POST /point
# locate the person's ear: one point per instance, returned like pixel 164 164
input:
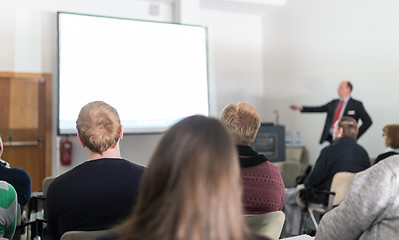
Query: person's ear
pixel 340 132
pixel 121 135
pixel 81 143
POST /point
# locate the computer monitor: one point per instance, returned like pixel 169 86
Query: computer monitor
pixel 270 141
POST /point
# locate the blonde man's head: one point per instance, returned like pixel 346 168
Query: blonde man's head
pixel 99 126
pixel 243 122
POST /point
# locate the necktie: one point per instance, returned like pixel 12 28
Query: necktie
pixel 338 112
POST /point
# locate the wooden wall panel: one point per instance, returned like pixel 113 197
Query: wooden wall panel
pixel 4 103
pixel 24 99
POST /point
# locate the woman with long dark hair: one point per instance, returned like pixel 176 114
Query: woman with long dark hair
pixel 191 188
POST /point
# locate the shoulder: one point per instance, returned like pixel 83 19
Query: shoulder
pixel 132 164
pixel 15 170
pixel 15 175
pixel 127 165
pixel 269 168
pixel 21 172
pixel 391 163
pixel 6 186
pixel 115 162
pixel 354 101
pixel 382 174
pixel 362 150
pixel 330 148
pixel 348 144
pixel 10 196
pixel 67 179
pixel 383 156
pixel 333 102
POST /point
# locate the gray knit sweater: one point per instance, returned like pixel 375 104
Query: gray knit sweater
pixel 371 207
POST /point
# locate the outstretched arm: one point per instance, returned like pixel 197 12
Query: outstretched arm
pixel 296 107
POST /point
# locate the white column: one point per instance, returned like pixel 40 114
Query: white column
pixel 187 11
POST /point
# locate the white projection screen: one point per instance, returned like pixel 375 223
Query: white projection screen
pixel 153 73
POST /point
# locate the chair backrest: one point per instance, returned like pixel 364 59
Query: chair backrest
pixel 289 171
pixel 84 235
pixel 19 215
pixel 372 160
pixel 45 184
pixel 340 184
pixel 268 224
pixel 294 153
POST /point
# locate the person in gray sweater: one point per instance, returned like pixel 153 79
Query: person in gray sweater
pixel 371 206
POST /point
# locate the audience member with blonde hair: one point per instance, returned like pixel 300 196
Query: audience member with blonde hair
pixel 263 185
pixel 391 140
pixel 191 189
pixel 101 191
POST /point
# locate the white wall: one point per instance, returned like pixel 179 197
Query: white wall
pixel 235 58
pixel 311 45
pixel 270 57
pixel 28 44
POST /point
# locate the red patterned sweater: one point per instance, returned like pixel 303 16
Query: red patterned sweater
pixel 263 185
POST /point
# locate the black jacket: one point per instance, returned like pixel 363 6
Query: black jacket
pixel 353 109
pixel 344 155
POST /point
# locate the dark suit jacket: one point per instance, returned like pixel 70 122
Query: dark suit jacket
pixel 353 109
pixel 344 155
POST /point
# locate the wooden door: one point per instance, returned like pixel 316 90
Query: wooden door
pixel 25 123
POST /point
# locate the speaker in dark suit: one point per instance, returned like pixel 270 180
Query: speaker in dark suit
pixel 351 107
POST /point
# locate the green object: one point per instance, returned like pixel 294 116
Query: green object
pixel 8 210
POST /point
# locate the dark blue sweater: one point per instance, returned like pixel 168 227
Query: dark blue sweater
pixel 95 195
pixel 344 155
pixel 20 180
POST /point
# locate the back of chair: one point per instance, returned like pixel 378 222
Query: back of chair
pixel 19 215
pixel 84 235
pixel 340 184
pixel 289 171
pixel 45 184
pixel 268 224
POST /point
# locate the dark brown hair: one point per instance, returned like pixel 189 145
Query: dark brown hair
pixel 191 188
pixel 349 85
pixel 392 133
pixel 349 126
